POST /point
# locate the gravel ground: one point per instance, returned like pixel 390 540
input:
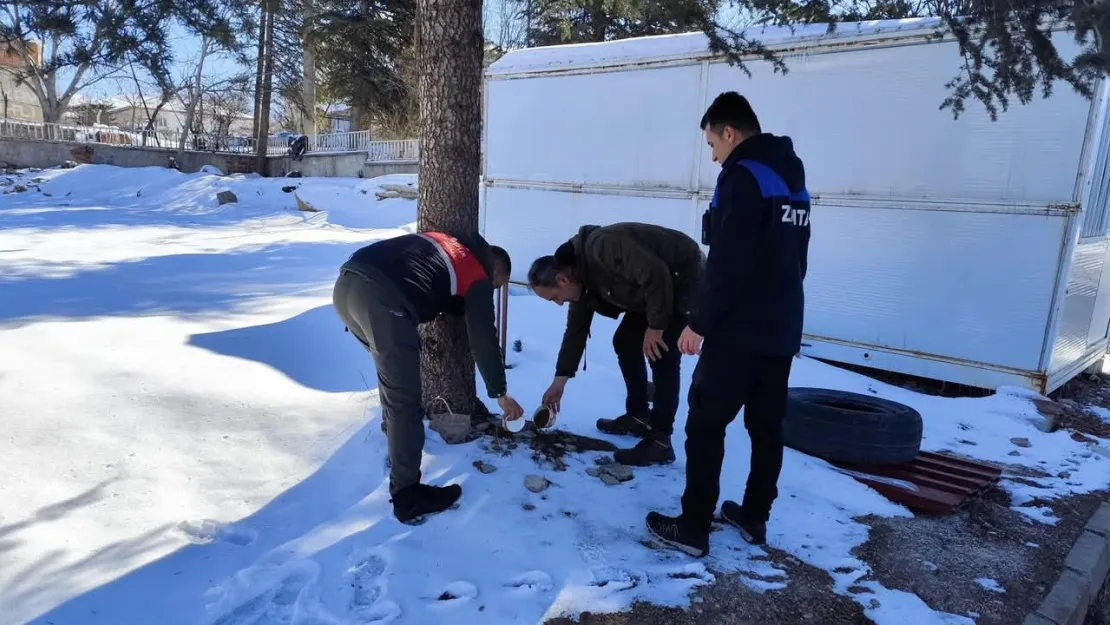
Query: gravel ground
pixel 937 558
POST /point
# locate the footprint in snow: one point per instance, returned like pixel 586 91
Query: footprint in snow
pixel 617 579
pixel 533 581
pixel 277 605
pixel 457 593
pixel 367 604
pixel 208 531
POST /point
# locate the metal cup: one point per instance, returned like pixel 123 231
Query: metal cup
pixel 544 417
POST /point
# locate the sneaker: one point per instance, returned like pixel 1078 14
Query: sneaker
pixel 651 450
pixel 414 504
pixel 670 531
pixel 752 531
pixel 624 425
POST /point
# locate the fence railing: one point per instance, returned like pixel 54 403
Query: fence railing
pixel 358 141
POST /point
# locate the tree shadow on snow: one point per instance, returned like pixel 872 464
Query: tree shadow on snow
pixel 173 589
pixel 311 349
pixel 175 284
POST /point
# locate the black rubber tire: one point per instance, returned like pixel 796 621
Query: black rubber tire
pixel 850 428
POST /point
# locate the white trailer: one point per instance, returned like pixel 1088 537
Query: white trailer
pixel 964 250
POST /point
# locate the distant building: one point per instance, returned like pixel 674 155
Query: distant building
pixel 17 101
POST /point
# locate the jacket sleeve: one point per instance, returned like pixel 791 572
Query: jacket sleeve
pixel 737 232
pixel 626 257
pixel 481 330
pixel 579 319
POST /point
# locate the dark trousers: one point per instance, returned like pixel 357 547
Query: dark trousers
pixel 628 342
pixel 726 380
pixel 375 313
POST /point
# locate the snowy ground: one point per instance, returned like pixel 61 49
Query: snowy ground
pixel 190 438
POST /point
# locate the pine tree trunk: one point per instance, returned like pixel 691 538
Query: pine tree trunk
pixel 259 71
pixel 450 65
pixel 267 89
pixel 308 84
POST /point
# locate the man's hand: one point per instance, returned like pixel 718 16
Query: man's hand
pixel 509 408
pixel 690 342
pixel 553 396
pixel 653 344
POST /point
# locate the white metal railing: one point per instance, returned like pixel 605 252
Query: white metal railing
pixel 279 145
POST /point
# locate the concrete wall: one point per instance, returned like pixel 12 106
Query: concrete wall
pixel 373 170
pixel 36 153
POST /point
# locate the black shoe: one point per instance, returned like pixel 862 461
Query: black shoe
pixel 413 504
pixel 670 531
pixel 624 425
pixel 753 532
pixel 651 450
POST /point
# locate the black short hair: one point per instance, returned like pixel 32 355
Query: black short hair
pixel 543 271
pixel 501 257
pixel 731 109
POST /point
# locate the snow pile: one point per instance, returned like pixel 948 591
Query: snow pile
pixel 190 436
pixel 661 48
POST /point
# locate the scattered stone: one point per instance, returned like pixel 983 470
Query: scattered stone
pixel 69 164
pixel 289 188
pixel 619 471
pixel 1021 442
pixel 609 479
pixel 45 194
pixel 484 467
pixel 593 472
pixel 967 442
pixel 19 188
pixel 1052 413
pixel 536 483
pixel 603 460
pixel 1064 475
pixel 929 566
pixel 529 507
pixel 1079 437
pixel 226 197
pixel 38 180
pixel 1014 453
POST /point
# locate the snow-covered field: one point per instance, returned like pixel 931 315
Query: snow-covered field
pixel 189 437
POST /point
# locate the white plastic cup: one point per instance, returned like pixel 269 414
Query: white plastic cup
pixel 513 425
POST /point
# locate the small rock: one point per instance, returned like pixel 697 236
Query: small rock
pixel 45 194
pixel 609 479
pixel 1021 442
pixel 69 164
pixel 1014 453
pixel 967 442
pixel 603 460
pixel 929 566
pixel 38 180
pixel 529 507
pixel 289 188
pixel 1064 475
pixel 226 197
pixel 536 483
pixel 19 188
pixel 619 472
pixel 593 472
pixel 484 467
pixel 1051 411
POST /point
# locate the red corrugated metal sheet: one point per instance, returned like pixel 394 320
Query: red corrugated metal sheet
pixel 931 484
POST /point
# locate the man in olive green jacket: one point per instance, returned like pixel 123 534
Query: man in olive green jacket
pixel 650 274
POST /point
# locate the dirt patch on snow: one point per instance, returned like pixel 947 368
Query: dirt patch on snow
pixel 940 559
pixel 808 599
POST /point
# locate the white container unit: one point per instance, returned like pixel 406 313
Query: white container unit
pixel 962 250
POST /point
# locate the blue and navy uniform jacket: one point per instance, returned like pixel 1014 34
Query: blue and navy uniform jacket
pixel 757 229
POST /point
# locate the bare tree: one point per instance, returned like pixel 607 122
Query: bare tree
pixel 450 77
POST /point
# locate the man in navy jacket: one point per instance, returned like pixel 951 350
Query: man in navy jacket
pixel 749 313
